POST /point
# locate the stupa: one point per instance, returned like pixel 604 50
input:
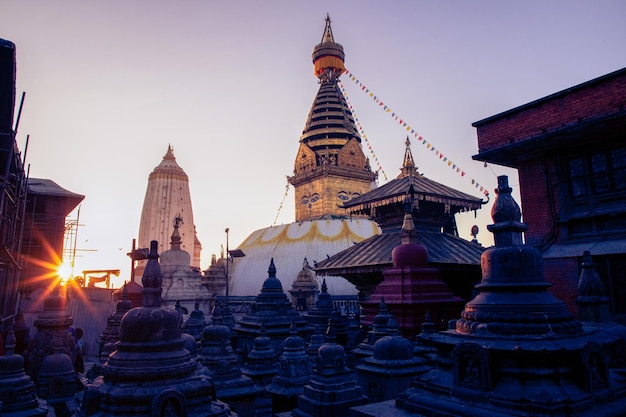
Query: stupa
pixel 168 197
pixel 390 369
pixel 195 323
pixel 151 373
pixel 221 364
pixel 333 389
pixel 294 372
pixel 304 288
pixel 330 167
pixel 111 333
pixel 52 324
pixel 271 311
pixel 261 367
pixel 19 395
pixel 182 284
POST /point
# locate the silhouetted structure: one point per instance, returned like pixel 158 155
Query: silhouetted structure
pixel 570 150
pixel 332 390
pixel 221 363
pixel 150 373
pixel 271 310
pixel 390 369
pixel 19 394
pixel 294 372
pixel 261 367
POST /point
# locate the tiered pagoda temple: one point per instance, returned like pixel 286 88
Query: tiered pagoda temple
pixel 433 209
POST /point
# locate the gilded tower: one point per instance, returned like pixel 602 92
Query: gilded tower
pixel 330 167
pixel 168 198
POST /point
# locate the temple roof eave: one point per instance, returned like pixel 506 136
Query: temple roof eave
pixel 374 254
pixel 424 189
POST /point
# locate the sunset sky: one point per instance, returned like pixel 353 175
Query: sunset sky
pixel 229 85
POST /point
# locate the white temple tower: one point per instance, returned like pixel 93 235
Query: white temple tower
pixel 167 197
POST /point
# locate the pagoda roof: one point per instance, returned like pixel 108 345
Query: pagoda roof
pixel 423 189
pixel 374 254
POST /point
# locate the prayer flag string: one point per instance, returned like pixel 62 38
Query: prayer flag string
pixel 282 202
pixel 362 132
pixel 408 128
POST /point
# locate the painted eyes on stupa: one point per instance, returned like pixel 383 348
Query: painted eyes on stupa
pixel 312 199
pixel 344 196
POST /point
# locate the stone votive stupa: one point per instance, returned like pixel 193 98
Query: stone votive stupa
pixel 18 394
pixel 294 372
pixel 150 373
pixel 333 389
pixel 272 310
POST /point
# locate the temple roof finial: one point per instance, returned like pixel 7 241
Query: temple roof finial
pixel 408 164
pixel 170 153
pixel 175 238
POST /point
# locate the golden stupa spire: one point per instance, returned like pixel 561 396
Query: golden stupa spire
pixel 328 56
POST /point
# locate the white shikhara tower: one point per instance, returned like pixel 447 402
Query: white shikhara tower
pixel 168 197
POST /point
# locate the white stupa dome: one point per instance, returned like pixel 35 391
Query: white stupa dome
pixel 288 245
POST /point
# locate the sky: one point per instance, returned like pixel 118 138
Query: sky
pixel 109 85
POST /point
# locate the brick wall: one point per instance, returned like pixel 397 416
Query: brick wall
pixel 563 275
pixel 566 108
pixel 540 202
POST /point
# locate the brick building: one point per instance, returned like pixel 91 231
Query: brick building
pixel 570 152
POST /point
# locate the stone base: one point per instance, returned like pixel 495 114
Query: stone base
pixel 383 408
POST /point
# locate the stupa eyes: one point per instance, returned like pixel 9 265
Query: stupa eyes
pixel 345 196
pixel 312 199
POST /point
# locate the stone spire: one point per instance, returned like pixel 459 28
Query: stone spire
pixel 152 279
pixel 511 266
pixel 330 156
pixel 593 304
pixel 168 197
pixel 408 164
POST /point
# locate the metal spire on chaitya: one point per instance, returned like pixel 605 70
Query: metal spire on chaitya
pixel 330 154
